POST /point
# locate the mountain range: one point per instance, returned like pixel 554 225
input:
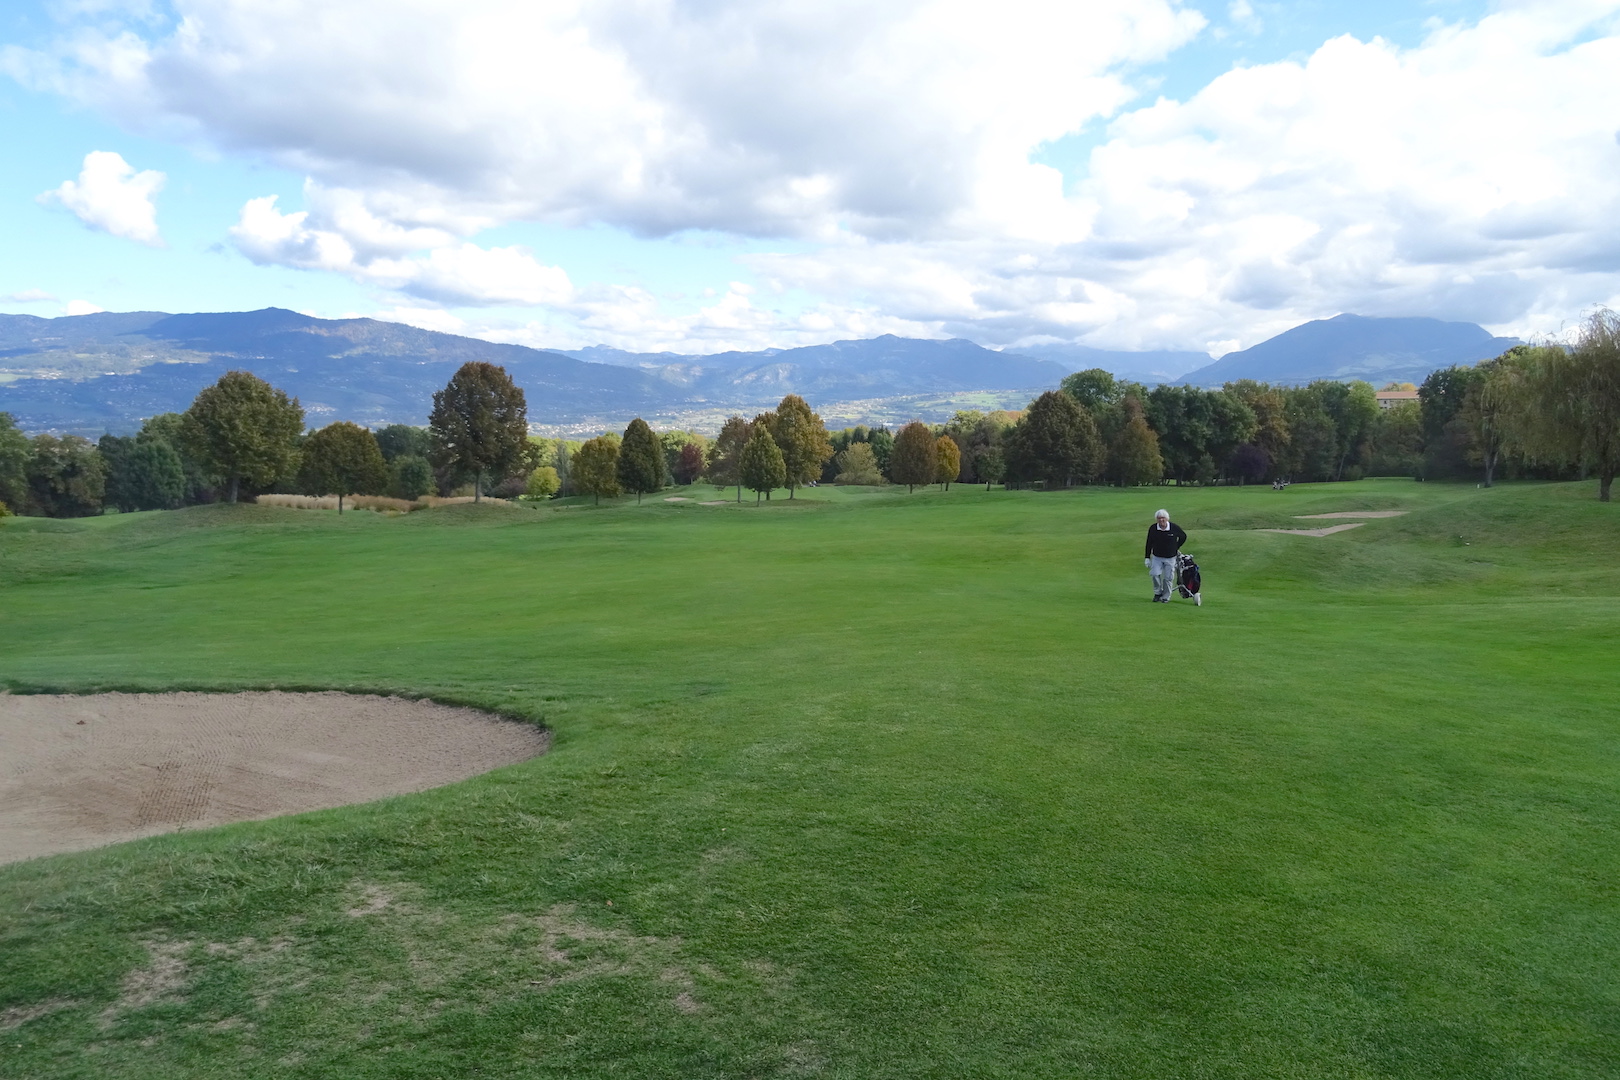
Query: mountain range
pixel 108 371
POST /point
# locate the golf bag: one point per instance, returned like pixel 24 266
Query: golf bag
pixel 1189 582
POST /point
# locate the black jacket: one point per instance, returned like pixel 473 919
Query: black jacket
pixel 1164 542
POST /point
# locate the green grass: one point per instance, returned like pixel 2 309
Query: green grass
pixel 865 786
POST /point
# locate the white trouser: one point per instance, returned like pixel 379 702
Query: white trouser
pixel 1164 575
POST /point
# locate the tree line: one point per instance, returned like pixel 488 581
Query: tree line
pixel 1544 411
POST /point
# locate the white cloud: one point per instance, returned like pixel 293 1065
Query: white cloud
pixel 1241 13
pixel 81 307
pixel 1470 176
pixel 655 115
pixel 111 196
pixel 343 237
pixel 631 318
pixel 31 296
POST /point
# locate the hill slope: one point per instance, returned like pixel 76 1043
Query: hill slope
pixel 885 366
pixel 1355 347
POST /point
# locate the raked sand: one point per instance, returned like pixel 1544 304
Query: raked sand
pixel 80 772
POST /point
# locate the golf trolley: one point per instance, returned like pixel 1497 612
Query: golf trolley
pixel 1189 581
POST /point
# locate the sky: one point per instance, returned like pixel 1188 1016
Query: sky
pixel 702 175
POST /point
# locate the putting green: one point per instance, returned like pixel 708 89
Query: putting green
pixel 867 786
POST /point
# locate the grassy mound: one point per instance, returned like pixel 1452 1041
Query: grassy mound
pixel 869 786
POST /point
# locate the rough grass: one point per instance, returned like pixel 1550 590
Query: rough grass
pixel 379 503
pixel 867 785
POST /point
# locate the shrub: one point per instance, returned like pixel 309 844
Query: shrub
pixel 544 483
pixel 858 465
pixel 411 476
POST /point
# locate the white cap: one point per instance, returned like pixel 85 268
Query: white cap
pixel 1162 514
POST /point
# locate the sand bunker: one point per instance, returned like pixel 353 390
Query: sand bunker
pixel 1329 531
pixel 79 772
pixel 1354 514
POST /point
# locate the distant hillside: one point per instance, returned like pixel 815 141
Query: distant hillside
pixel 92 373
pixel 1151 367
pixel 106 372
pixel 1355 347
pixel 886 366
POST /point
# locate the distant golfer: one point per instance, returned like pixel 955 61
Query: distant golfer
pixel 1164 540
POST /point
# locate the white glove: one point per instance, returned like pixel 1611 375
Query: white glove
pixel 1148 563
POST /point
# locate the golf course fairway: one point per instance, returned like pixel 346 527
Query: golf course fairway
pixel 864 785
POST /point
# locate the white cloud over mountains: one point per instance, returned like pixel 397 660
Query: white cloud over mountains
pixel 1471 176
pixel 111 196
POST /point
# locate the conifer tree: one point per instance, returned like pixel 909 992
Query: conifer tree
pixel 949 458
pixel 761 466
pixel 343 459
pixel 914 459
pixel 595 467
pixel 243 429
pixel 802 438
pixel 640 467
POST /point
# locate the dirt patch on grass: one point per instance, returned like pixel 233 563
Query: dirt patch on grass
pixel 80 772
pixel 1329 531
pixel 18 1015
pixel 1353 514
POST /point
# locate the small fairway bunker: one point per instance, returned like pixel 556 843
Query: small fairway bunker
pixel 83 771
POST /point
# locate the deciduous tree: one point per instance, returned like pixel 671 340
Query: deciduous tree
pixel 802 438
pixel 595 467
pixel 1094 388
pixel 170 428
pixel 142 474
pixel 948 461
pixel 402 440
pixel 65 476
pixel 914 460
pixel 1490 405
pixel 689 464
pixel 1134 457
pixel 543 483
pixel 989 464
pixel 858 465
pixel 1571 410
pixel 343 459
pixel 640 467
pixel 725 456
pixel 411 476
pixel 480 424
pixel 761 466
pixel 1057 441
pixel 14 454
pixel 242 429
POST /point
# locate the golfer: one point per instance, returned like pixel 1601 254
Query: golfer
pixel 1164 540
